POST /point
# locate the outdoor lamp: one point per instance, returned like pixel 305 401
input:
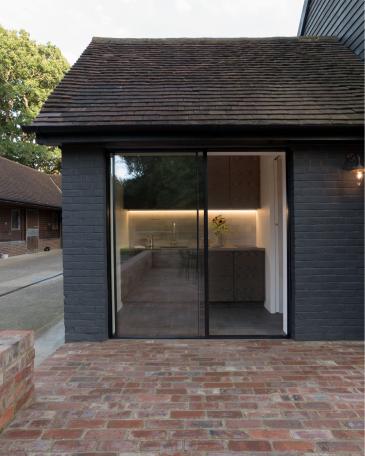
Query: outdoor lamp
pixel 353 164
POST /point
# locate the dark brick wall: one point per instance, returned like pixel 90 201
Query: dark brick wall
pixel 84 244
pixel 328 245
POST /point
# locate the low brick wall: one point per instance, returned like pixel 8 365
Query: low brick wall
pixel 16 373
pixel 13 248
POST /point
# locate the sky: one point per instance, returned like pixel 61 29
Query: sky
pixel 70 24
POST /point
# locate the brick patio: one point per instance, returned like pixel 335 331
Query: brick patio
pixel 197 397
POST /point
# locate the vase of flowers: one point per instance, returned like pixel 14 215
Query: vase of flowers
pixel 220 227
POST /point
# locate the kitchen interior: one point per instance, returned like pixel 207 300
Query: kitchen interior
pixel 160 266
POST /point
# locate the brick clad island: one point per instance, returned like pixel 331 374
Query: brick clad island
pixel 16 373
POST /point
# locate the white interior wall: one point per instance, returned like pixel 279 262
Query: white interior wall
pixel 271 231
pixel 278 228
pixel 265 227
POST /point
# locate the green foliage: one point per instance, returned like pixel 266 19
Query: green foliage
pixel 28 73
pixel 162 182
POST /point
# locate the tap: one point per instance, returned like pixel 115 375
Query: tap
pixel 173 229
pixel 150 241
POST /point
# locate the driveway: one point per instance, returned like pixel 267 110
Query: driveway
pixel 23 270
pixel 194 398
pixel 31 291
pixel 31 297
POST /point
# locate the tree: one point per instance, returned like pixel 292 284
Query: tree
pixel 162 182
pixel 28 73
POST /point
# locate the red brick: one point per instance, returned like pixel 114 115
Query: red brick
pixel 190 434
pixel 58 434
pixel 118 445
pixel 335 446
pixel 293 445
pixel 187 414
pixel 269 434
pixel 151 445
pixel 347 434
pixel 164 424
pixel 283 424
pixel 105 434
pixel 79 389
pixel 224 414
pixel 224 434
pixel 86 424
pixel 249 445
pixel 6 416
pixel 205 445
pixel 16 364
pixel 315 434
pixel 149 434
pixel 69 446
pixel 243 424
pixel 125 424
pixel 21 434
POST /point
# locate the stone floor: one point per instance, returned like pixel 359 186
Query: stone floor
pixel 243 318
pixel 196 397
pixel 166 303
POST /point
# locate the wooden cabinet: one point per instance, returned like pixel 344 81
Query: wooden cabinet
pixel 221 275
pixel 249 275
pixel 236 275
pixel 218 183
pixel 233 182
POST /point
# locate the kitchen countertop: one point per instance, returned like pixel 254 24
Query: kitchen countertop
pixel 213 249
pixel 235 249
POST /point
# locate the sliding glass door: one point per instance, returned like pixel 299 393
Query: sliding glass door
pixel 198 244
pixel 246 218
pixel 157 236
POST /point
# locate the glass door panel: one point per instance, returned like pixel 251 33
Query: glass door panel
pixel 245 291
pixel 158 245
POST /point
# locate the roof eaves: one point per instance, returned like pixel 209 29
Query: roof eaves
pixel 28 203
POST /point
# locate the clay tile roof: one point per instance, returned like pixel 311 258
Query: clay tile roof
pixel 21 184
pixel 300 81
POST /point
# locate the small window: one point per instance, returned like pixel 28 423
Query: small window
pixel 15 219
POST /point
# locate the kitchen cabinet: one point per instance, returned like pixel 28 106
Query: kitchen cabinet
pixel 236 275
pixel 233 182
pixel 249 275
pixel 218 182
pixel 220 275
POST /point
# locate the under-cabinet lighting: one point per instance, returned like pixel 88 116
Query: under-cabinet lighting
pixel 190 211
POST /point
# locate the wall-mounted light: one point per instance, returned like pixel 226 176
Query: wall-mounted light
pixel 353 164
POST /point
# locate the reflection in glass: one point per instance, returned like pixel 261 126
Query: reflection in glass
pixel 157 238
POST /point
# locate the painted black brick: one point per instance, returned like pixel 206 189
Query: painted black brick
pixel 328 245
pixel 84 244
pixel 327 249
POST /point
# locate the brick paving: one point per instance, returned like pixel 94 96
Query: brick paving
pixel 196 397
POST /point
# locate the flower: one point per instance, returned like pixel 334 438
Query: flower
pixel 219 225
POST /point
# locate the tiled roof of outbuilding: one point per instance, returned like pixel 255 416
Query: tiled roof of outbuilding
pixel 21 184
pixel 301 81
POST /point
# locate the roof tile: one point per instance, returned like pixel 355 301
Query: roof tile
pixel 21 184
pixel 228 81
